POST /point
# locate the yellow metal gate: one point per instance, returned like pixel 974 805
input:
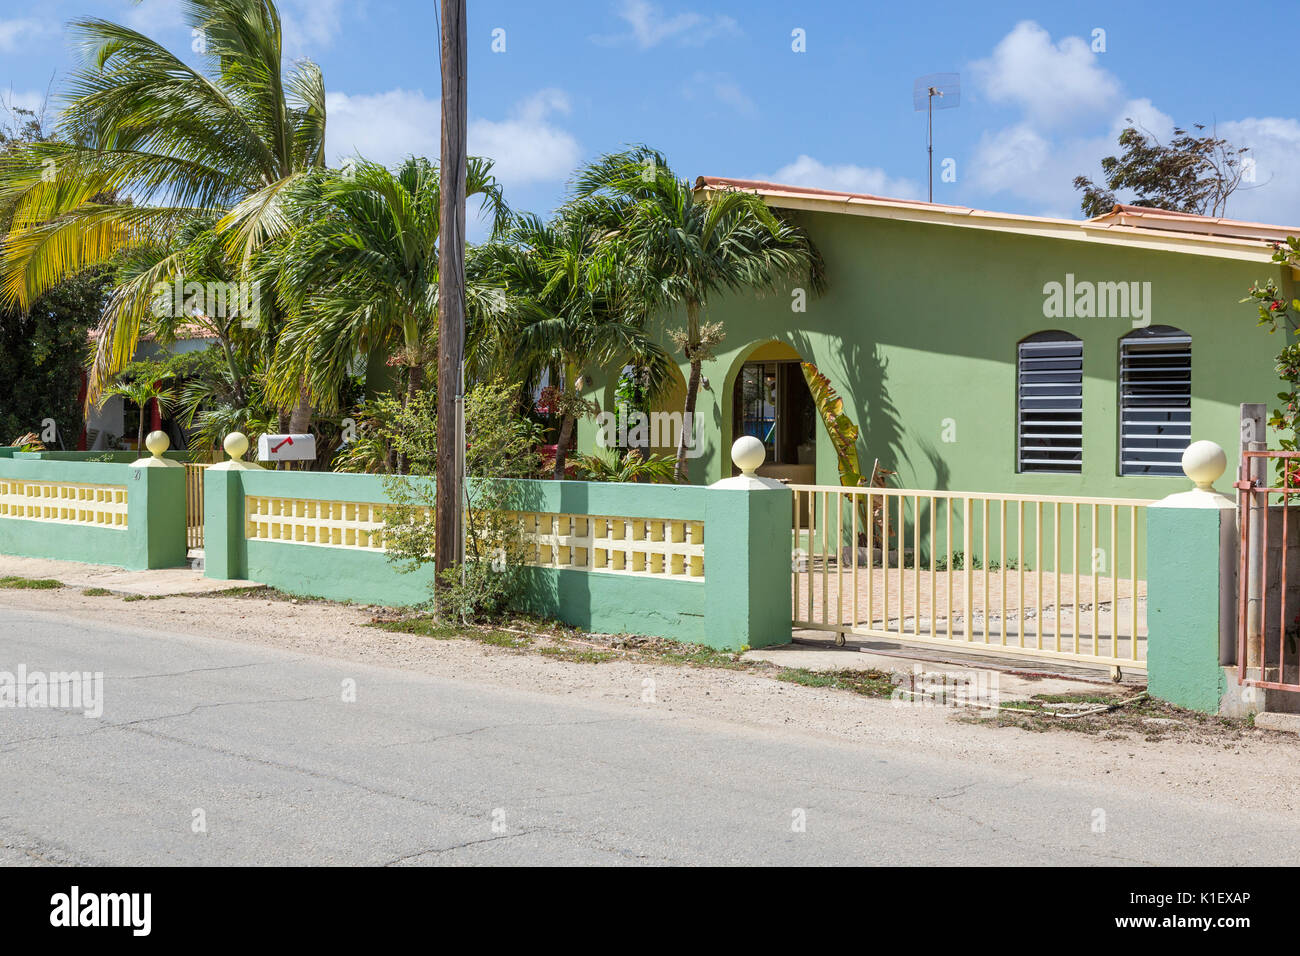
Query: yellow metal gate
pixel 194 505
pixel 1018 575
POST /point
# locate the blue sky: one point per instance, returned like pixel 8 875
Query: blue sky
pixel 718 87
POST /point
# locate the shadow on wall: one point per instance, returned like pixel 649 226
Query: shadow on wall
pixel 942 473
pixel 862 381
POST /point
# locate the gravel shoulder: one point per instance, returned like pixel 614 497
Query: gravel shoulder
pixel 1247 767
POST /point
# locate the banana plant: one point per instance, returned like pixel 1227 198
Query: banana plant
pixel 843 434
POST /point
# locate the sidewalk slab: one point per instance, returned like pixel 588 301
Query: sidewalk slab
pixel 1269 720
pixel 74 574
pixel 1011 686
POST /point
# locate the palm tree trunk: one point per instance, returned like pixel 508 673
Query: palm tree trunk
pixel 414 380
pixel 139 432
pixel 692 388
pixel 236 379
pixel 688 421
pixel 300 417
pixel 562 446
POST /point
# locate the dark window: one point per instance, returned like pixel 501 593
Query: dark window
pixel 1049 434
pixel 1155 400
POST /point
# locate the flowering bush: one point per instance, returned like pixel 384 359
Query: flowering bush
pixel 1276 312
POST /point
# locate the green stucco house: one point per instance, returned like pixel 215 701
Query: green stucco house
pixel 984 351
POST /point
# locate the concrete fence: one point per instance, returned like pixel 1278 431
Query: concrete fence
pixel 708 565
pixel 97 512
pixel 705 565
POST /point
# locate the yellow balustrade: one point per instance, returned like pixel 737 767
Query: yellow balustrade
pixel 101 506
pixel 656 547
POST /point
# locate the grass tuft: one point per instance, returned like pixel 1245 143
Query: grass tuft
pixel 868 683
pixel 30 584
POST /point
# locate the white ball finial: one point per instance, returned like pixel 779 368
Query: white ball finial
pixel 1204 462
pixel 236 444
pixel 748 453
pixel 157 442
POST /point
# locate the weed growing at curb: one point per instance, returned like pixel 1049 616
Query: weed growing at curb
pixel 868 683
pixel 30 584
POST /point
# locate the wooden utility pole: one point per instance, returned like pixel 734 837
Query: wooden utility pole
pixel 451 290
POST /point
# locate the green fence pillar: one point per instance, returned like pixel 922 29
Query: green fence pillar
pixel 155 510
pixel 747 555
pixel 225 551
pixel 1191 586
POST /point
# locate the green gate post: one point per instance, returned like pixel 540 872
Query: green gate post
pixel 155 510
pixel 1191 586
pixel 225 551
pixel 747 555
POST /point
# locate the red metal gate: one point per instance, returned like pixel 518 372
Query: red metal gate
pixel 1268 618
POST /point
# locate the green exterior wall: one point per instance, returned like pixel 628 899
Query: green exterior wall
pixel 1184 606
pixel 920 324
pixel 155 536
pixel 744 599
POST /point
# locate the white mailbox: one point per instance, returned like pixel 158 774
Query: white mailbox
pixel 286 448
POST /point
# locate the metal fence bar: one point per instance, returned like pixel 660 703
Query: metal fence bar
pixel 1056 574
pixel 968 569
pixel 902 577
pixel 884 557
pixel 947 544
pixel 1038 575
pixel 1114 581
pixel 1133 580
pixel 1020 571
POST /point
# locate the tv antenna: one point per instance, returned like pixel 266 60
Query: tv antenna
pixel 947 88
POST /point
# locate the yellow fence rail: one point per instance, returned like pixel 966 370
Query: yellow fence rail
pixel 1017 575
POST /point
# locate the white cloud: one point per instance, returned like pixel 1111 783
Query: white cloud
pixel 723 88
pixel 1145 116
pixel 1014 159
pixel 309 25
pixel 526 146
pixel 1055 86
pixel 806 171
pixel 387 127
pixel 1052 83
pixel 153 17
pixel 306 25
pixel 1031 165
pixel 1275 195
pixel 25 100
pixel 14 34
pixel 650 26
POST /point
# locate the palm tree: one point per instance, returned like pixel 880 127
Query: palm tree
pixel 222 143
pixel 361 273
pixel 140 390
pixel 688 246
pixel 565 305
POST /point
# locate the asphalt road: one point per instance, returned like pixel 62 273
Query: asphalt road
pixel 419 770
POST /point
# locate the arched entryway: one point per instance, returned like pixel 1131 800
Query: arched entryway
pixel 770 400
